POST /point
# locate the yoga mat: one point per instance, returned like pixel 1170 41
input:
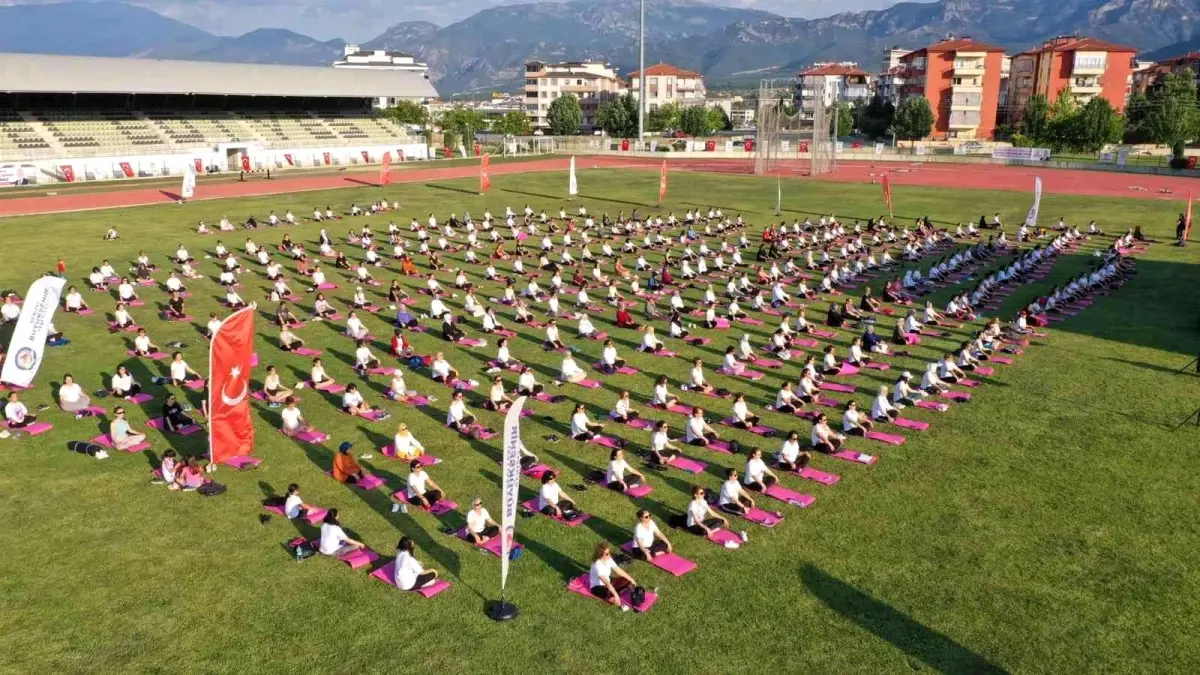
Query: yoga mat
pixel 722 324
pixel 1003 360
pixel 367 482
pixel 311 436
pixel 855 456
pixel 823 333
pixel 387 574
pixel 753 375
pixel 827 402
pixel 335 389
pixel 761 517
pixel 890 439
pixel 639 491
pixel 933 405
pixel 756 429
pixel 106 441
pixel 35 428
pixel 194 385
pixel 910 424
pixel 382 370
pixel 94 411
pixel 749 321
pixel 492 545
pixel 639 423
pixel 589 384
pixel 532 506
pixel 605 441
pixel 818 476
pixel 141 398
pixel 241 462
pixel 160 423
pixel 157 356
pixel 874 365
pixel 688 465
pixel 721 537
pixel 484 433
pixel 840 388
pixel 797 499
pixel 305 351
pixel 84 312
pixel 327 286
pixel 985 371
pixel 768 363
pixel 579 585
pixel 537 471
pixel 847 370
pixel 969 383
pixel 698 341
pixel 472 342
pixel 359 558
pixel 668 562
pixel 957 395
pixel 663 353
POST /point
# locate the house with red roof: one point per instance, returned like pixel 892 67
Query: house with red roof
pixel 961 79
pixel 825 83
pixel 669 84
pixel 1084 67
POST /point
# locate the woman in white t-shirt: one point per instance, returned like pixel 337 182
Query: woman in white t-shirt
pixel 457 417
pixel 733 499
pixel 410 574
pixel 71 397
pixel 823 438
pixel 698 432
pixel 620 476
pixel 293 505
pixel 582 427
pixel 123 385
pixel 648 540
pixel 662 452
pixel 790 457
pixel 498 400
pixel 696 378
pixel 73 301
pixel 854 422
pixel 701 519
pixel 422 490
pixel 334 541
pixel 480 526
pixel 553 500
pixel 180 370
pixel 606 579
pixel 570 371
pixel 742 417
pixel 649 342
pixel 318 377
pixel 882 409
pixel 623 411
pixel 292 421
pixel 273 388
pixel 353 402
pixel 756 476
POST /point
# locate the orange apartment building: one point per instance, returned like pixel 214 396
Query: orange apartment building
pixel 1084 67
pixel 961 79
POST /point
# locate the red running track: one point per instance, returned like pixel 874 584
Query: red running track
pixel 960 176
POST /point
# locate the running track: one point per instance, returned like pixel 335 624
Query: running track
pixel 961 176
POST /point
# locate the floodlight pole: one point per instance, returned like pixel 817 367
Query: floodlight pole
pixel 641 73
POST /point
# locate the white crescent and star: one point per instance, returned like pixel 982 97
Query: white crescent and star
pixel 235 374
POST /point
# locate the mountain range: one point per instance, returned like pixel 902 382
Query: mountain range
pixel 487 50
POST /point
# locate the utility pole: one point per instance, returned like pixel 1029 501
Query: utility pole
pixel 642 73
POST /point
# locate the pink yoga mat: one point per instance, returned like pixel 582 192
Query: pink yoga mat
pixel 933 405
pixel 589 384
pixel 668 562
pixel 639 491
pixel 160 423
pixel 768 363
pixel 537 471
pixel 305 351
pixel 723 536
pixel 855 456
pixel 805 342
pixel 680 409
pixel 698 341
pixel 35 428
pixel 194 385
pixel 1002 360
pixel 242 462
pixel 84 312
pixel 761 517
pixel 311 436
pixel 818 476
pixel 757 429
pixel 579 585
pixel 797 499
pixel 94 410
pixel 910 424
pixel 313 517
pixel 984 371
pixel 639 423
pixel 532 506
pixel 327 286
pixel 750 321
pixel 827 402
pixel 969 383
pixel 823 333
pixel 368 483
pixel 847 370
pixel 957 395
pixel 875 365
pixel 493 545
pixel 688 465
pixel 106 441
pixel 841 388
pixel 753 375
pixel 335 389
pixel 606 441
pixel 387 574
pixel 664 353
pixel 890 439
pixel 157 356
pixel 472 342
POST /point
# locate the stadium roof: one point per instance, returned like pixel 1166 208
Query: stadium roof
pixel 40 73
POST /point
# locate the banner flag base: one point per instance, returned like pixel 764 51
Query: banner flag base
pixel 502 611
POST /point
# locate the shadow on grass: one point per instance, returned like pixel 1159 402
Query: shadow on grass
pixel 920 642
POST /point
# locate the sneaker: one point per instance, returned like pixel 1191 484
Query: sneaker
pixel 274 404
pixel 745 537
pixel 101 454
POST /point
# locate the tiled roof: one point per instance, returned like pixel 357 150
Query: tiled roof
pixel 962 45
pixel 834 69
pixel 665 69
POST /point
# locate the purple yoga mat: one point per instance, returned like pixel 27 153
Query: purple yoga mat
pixel 305 351
pixel 890 439
pixel 639 491
pixel 579 585
pixel 106 441
pixel 722 537
pixel 589 384
pixel 818 476
pixel 847 370
pixel 933 405
pixel 749 321
pixel 875 365
pixel 606 441
pixel 157 356
pixel 840 388
pixel 241 461
pixel 856 456
pixel 473 342
pixel 537 471
pixel 688 465
pixel 823 333
pixel 668 562
pixel 806 342
pixel 532 506
pixel 311 436
pixel 797 499
pixel 969 383
pixel 905 423
pixel 160 423
pixel 768 363
pixel 35 428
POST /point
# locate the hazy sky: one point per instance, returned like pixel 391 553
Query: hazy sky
pixel 360 20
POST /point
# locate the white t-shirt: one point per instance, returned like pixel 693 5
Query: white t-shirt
pixel 70 393
pixel 416 483
pixel 696 511
pixel 602 571
pixel 407 571
pixel 616 470
pixel 179 370
pixel 332 537
pixel 122 382
pixel 789 451
pixel 643 533
pixel 548 495
pixel 695 428
pixel 579 423
pixel 352 398
pixel 477 521
pixel 291 506
pixel 291 418
pixel 441 368
pixel 755 470
pixel 15 411
pixel 730 490
pixel 659 440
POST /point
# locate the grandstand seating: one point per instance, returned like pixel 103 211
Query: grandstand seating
pixel 16 134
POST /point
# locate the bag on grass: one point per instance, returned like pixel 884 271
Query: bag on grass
pixel 638 596
pixel 300 549
pixel 211 489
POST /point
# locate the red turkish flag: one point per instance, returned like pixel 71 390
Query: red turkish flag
pixel 366 156
pixel 287 157
pixel 68 173
pixel 662 183
pixel 231 431
pixel 485 173
pixel 887 193
pixel 328 158
pixel 199 165
pixel 127 169
pixel 385 169
pixel 245 162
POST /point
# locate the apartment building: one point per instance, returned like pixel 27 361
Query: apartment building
pixel 961 79
pixel 356 58
pixel 667 84
pixel 592 82
pixel 1143 77
pixel 1084 67
pixel 825 83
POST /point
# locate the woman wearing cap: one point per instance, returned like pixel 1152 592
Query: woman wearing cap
pixel 422 490
pixel 334 541
pixel 854 422
pixel 701 519
pixel 904 394
pixel 648 540
pixel 480 526
pixel 345 468
pixel 620 476
pixel 606 579
pixel 405 445
pixel 823 438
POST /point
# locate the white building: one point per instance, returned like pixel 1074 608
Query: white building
pixel 825 83
pixel 592 82
pixel 381 60
pixel 667 84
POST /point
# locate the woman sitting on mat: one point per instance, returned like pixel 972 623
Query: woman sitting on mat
pixel 354 404
pixel 73 301
pixel 650 343
pixel 457 417
pixel 322 308
pixel 570 371
pixel 582 427
pixel 742 417
pixel 319 378
pixel 123 436
pixel 405 445
pixel 346 469
pixel 733 499
pixel 284 315
pixel 786 401
pixel 609 362
pixel 334 541
pixel 790 457
pixel 422 490
pixel 829 363
pixel 948 372
pixel 142 346
pixel 606 579
pixel 662 452
pixel 698 431
pixel 620 476
pixel 527 384
pixel 190 476
pixel 625 319
pixel 662 398
pixel 409 573
pixel 480 526
pixel 180 370
pixel 882 409
pixel 273 389
pixel 121 317
pixel 930 382
pixel 16 414
pixel 904 394
pixel 701 519
pixel 123 385
pixel 288 341
pixel 174 418
pixel 854 423
pixel 823 438
pixel 648 540
pixel 623 411
pixel 931 317
pixel 71 397
pixel 696 381
pixel 756 476
pixel 552 341
pixel 856 357
pixel 294 506
pixel 450 330
pixel 553 500
pixel 834 317
pixel 868 303
pixel 498 400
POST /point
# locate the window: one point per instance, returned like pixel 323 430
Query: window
pixel 1089 61
pixel 653 82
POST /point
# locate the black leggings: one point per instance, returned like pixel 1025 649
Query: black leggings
pixel 787 409
pixel 734 508
pixel 537 389
pixel 431 496
pixel 767 481
pixel 656 548
pixel 630 481
pixel 710 523
pixel 585 436
pixel 423 580
pixel 751 420
pixel 134 390
pixel 603 593
pixel 488 531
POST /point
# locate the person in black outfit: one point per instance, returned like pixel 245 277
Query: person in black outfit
pixel 174 418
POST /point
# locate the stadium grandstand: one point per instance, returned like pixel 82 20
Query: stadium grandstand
pixel 70 118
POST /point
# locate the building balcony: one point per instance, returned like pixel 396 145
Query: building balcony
pixel 1085 88
pixel 965 105
pixel 1087 69
pixel 968 67
pixel 963 123
pixel 966 88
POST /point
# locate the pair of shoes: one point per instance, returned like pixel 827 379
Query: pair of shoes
pixel 101 454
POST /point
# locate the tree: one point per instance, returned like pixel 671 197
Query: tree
pixel 463 122
pixel 1061 133
pixel 914 119
pixel 1035 118
pixel 719 120
pixel 694 121
pixel 664 117
pixel 1171 115
pixel 842 114
pixel 513 123
pixel 565 117
pixel 1096 125
pixel 407 112
pixel 877 117
pixel 619 118
pixel 1135 119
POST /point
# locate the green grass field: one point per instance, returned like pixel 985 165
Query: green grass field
pixel 1047 526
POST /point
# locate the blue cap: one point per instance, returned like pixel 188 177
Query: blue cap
pixel 345 446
